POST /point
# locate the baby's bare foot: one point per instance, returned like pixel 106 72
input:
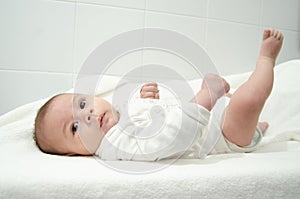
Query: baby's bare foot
pixel 263 126
pixel 216 85
pixel 213 87
pixel 271 44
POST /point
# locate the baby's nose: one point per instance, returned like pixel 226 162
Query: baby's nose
pixel 89 115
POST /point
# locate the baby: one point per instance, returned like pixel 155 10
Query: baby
pixel 70 124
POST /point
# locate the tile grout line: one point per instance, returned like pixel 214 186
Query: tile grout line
pixel 74 65
pixel 36 71
pixel 170 13
pixel 206 24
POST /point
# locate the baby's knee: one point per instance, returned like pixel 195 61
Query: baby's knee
pixel 250 101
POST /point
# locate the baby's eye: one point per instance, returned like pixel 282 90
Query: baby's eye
pixel 74 127
pixel 82 104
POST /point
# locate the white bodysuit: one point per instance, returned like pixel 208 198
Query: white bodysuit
pixel 151 130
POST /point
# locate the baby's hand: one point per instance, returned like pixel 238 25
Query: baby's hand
pixel 149 90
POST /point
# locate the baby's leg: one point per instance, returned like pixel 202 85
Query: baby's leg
pixel 213 87
pixel 242 113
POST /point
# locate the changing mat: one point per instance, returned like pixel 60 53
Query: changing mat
pixel 273 171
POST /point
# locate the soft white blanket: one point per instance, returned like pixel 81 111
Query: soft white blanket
pixel 273 171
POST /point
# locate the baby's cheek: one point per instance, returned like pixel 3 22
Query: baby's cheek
pixel 111 122
pixel 91 138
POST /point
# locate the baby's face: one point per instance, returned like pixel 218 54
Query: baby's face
pixel 76 124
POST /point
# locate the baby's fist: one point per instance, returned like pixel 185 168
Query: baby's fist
pixel 149 90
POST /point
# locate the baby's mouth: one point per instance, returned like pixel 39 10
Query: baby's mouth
pixel 101 119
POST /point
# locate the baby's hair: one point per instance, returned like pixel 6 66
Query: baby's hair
pixel 39 122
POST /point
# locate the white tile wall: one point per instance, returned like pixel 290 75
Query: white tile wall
pixel 232 46
pixel 291 46
pixel 36 35
pixel 45 42
pixel 243 11
pixel 138 4
pixel 96 24
pixel 191 27
pixel 20 87
pixel 282 15
pixel 182 7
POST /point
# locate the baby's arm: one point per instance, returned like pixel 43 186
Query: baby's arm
pixel 149 90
